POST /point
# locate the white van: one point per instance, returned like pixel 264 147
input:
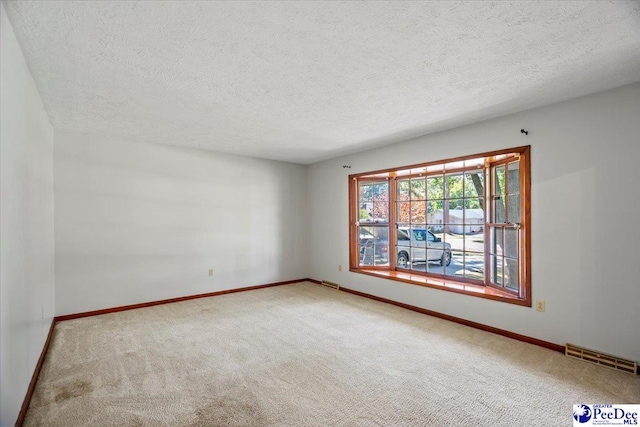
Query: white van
pixel 421 245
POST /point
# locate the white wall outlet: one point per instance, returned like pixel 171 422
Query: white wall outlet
pixel 339 267
pixel 211 272
pixel 540 305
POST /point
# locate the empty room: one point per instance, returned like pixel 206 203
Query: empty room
pixel 319 213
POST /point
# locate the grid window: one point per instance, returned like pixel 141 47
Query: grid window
pixel 461 224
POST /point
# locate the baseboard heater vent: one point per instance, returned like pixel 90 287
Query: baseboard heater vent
pixel 601 359
pixel 331 285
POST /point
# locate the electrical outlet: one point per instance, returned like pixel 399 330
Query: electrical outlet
pixel 540 305
pixel 339 267
pixel 211 272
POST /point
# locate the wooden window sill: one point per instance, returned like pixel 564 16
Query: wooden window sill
pixel 446 285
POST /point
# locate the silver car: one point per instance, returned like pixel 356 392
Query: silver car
pixel 417 245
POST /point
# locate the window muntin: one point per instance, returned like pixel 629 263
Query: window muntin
pixel 472 212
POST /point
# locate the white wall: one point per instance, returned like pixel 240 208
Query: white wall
pixel 26 225
pixel 585 220
pixel 140 222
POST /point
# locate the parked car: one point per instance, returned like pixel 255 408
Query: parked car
pixel 417 245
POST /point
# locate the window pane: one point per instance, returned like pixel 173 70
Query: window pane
pixel 418 212
pixel 382 250
pixel 474 204
pixel 366 212
pixel 496 241
pixel 513 216
pixel 418 189
pixel 456 211
pixel 474 184
pixel 511 273
pixel 435 219
pixel 435 205
pixel 403 213
pixel 434 267
pixel 457 219
pixel 417 258
pixel 498 209
pixel 374 245
pixel 514 177
pixel 366 193
pixel 380 211
pixel 382 234
pixel 455 268
pixel 381 191
pixel 511 242
pixel 470 241
pixel 474 266
pixel 435 187
pixel 430 206
pixel 496 270
pixel 404 253
pixel 498 180
pixel 453 186
pixel 366 242
pixel 446 214
pixel 366 254
pixel 403 189
pixel 402 236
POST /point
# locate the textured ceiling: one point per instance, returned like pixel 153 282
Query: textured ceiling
pixel 306 81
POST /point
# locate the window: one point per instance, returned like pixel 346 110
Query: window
pixel 459 224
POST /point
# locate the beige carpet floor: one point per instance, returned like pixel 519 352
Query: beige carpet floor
pixel 305 355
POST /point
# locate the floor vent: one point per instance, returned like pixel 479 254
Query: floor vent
pixel 331 285
pixel 601 359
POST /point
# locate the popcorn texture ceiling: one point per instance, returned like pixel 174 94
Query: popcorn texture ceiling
pixel 307 81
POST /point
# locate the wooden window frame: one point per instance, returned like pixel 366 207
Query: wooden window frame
pixel 521 296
